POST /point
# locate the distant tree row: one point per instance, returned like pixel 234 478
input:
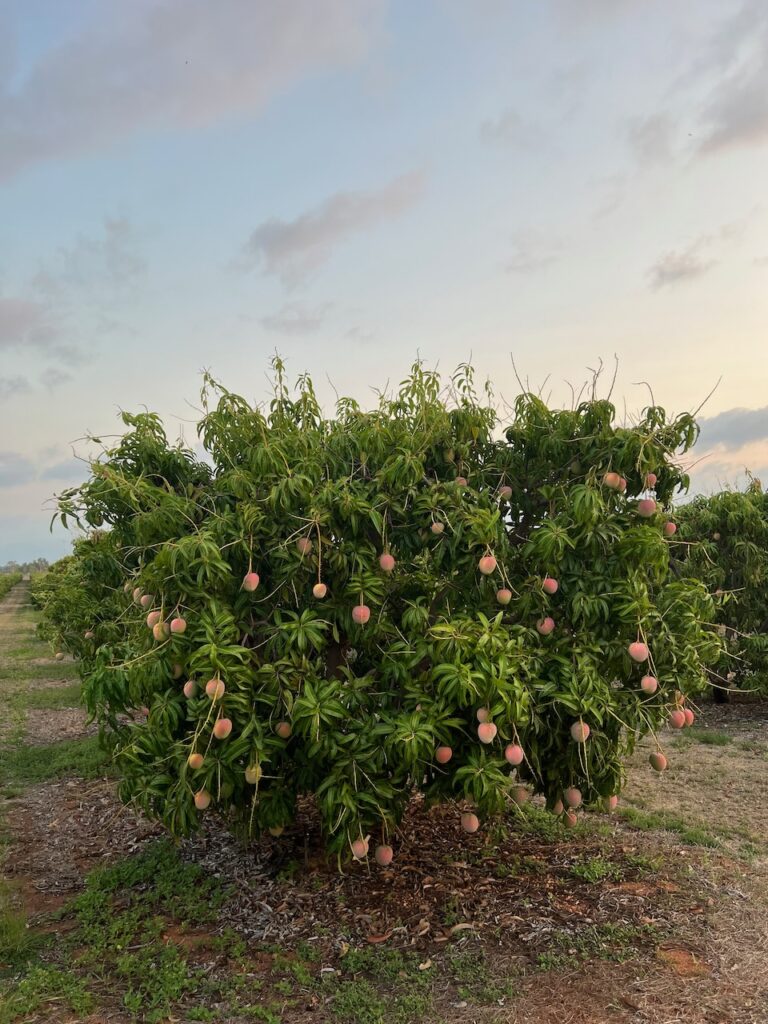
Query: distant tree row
pixel 12 568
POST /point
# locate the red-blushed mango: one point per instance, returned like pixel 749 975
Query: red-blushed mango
pixel 461 481
pixel 572 797
pixel 177 671
pixel 580 732
pixel 677 719
pixel 386 562
pixel 483 714
pixel 361 613
pixel 622 484
pixel 160 631
pixel 520 795
pixel 570 820
pixel 127 587
pixel 252 774
pixel 222 727
pixel 443 755
pixel 649 684
pixel 384 855
pixel 178 625
pixel 195 761
pixel 504 596
pixel 487 565
pixel 146 600
pixel 59 655
pixel 190 688
pixel 611 803
pixel 690 718
pixel 319 591
pixel 650 479
pixel 251 581
pixel 557 808
pixel 437 527
pixel 89 634
pixel 283 730
pixel 638 651
pixel 657 761
pixel 202 799
pixel 470 822
pixel 549 585
pixel 646 507
pixel 360 848
pixel 153 618
pixel 514 753
pixel 505 492
pixel 670 529
pixel 215 689
pixel 137 594
pixel 612 480
pixel 304 546
pixel 486 732
pixel 716 536
pixel 545 625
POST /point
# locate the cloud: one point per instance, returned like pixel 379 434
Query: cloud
pixel 291 250
pixel 677 266
pixel 10 386
pixel 531 251
pixel 160 64
pixel 734 428
pixel 512 129
pixel 295 318
pixel 69 470
pixel 651 138
pixel 694 260
pixel 27 324
pixel 111 258
pixel 53 378
pixel 15 469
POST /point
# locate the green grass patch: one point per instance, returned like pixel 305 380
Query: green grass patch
pixel 596 869
pixel 615 942
pixel 664 821
pixel 709 737
pixel 49 699
pixel 27 765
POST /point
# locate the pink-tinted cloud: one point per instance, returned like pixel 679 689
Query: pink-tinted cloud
pixel 292 249
pixel 158 64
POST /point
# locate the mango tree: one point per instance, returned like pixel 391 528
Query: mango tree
pixel 407 599
pixel 726 547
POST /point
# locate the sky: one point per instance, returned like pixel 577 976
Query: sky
pixel 187 186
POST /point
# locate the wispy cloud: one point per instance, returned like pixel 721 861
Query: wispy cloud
pixel 292 249
pixel 651 138
pixel 112 258
pixel 11 386
pixel 513 129
pixel 27 325
pixel 172 65
pixel 680 265
pixel 692 261
pixel 15 469
pixel 737 111
pixel 734 428
pixel 532 250
pixel 295 318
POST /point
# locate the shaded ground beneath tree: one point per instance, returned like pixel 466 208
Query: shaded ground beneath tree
pixel 656 915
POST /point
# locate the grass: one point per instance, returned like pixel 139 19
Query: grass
pixel 709 737
pixel 28 765
pixel 596 869
pixel 615 942
pixel 664 821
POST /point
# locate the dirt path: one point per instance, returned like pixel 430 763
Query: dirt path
pixel 656 916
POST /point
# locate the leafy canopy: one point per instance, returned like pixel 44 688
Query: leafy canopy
pixel 353 711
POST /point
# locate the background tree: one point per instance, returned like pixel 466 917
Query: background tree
pixel 384 602
pixel 726 547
